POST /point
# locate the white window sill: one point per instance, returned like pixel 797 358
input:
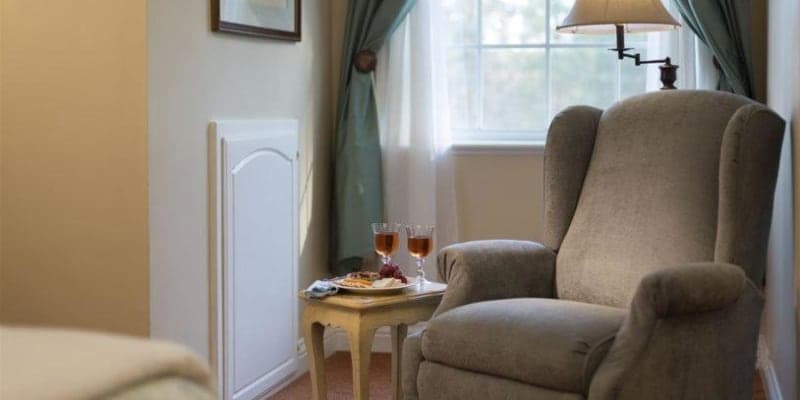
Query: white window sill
pixel 498 147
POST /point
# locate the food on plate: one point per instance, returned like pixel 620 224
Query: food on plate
pixel 390 276
pixel 387 270
pixel 355 282
pixel 368 275
pixel 386 283
pixel 392 271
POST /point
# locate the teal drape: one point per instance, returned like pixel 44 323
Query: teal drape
pixel 357 187
pixel 724 26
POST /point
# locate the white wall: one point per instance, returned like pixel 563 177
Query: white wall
pixel 196 76
pixel 780 317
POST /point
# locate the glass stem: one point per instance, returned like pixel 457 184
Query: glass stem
pixel 420 271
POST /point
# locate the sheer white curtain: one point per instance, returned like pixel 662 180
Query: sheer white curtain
pixel 696 69
pixel 411 94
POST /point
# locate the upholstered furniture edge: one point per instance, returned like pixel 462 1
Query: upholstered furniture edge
pixel 570 143
pixel 683 321
pixel 750 153
pixel 495 269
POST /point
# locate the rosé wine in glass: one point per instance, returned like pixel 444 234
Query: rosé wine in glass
pixel 386 239
pixel 420 243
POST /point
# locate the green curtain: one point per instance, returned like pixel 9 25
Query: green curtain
pixel 724 26
pixel 357 187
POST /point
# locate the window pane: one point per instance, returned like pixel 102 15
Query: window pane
pixel 462 81
pixel 514 21
pixel 633 78
pixel 514 89
pixel 461 17
pixel 636 40
pixel 581 76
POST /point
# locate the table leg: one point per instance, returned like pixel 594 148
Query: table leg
pixel 398 336
pixel 360 338
pixel 313 333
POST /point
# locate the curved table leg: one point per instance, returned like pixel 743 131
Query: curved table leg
pixel 313 335
pixel 361 337
pixel 399 333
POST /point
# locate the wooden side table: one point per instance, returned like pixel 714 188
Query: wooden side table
pixel 360 316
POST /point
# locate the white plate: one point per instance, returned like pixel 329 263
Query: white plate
pixel 391 290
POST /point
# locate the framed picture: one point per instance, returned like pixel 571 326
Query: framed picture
pixel 277 19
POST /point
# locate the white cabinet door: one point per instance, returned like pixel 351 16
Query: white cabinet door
pixel 258 255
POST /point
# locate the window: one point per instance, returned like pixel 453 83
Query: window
pixel 509 72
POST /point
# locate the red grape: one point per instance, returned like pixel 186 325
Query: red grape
pixel 388 270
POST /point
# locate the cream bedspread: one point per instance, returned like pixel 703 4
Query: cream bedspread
pixel 38 363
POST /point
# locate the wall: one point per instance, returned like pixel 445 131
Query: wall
pixel 500 194
pixel 74 195
pixel 196 76
pixel 784 97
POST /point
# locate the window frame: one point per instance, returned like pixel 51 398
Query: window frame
pixel 466 137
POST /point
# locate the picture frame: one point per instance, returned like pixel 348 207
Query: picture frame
pixel 274 19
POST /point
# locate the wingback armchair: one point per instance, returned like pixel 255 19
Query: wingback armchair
pixel 648 282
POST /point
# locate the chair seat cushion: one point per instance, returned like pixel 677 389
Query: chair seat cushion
pixel 555 344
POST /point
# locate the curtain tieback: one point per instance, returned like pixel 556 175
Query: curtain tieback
pixel 365 61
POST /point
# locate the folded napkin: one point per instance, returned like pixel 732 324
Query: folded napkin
pixel 320 289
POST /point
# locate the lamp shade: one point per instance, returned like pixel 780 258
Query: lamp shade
pixel 602 17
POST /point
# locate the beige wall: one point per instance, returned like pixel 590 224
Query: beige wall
pixel 74 154
pixel 500 194
pixel 196 76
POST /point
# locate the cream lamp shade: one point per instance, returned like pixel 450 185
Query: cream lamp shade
pixel 603 17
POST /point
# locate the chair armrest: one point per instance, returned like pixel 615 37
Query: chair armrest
pixel 693 288
pixel 704 314
pixel 495 269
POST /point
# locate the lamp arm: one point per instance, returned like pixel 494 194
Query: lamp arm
pixel 668 70
pixel 638 58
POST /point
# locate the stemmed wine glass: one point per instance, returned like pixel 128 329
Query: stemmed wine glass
pixel 387 240
pixel 420 241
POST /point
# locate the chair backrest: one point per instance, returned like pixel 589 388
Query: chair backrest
pixel 672 177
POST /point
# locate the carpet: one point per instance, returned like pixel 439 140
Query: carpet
pixel 340 380
pixel 339 377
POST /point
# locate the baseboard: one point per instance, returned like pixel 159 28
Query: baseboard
pixel 770 380
pixel 381 343
pixel 331 346
pixel 336 340
pixel 766 369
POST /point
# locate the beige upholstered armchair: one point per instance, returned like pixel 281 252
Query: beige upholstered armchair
pixel 648 283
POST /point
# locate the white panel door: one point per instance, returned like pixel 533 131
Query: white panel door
pixel 259 256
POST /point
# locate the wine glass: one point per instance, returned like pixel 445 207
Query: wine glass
pixel 387 239
pixel 420 241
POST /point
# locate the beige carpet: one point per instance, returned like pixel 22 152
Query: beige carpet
pixel 338 375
